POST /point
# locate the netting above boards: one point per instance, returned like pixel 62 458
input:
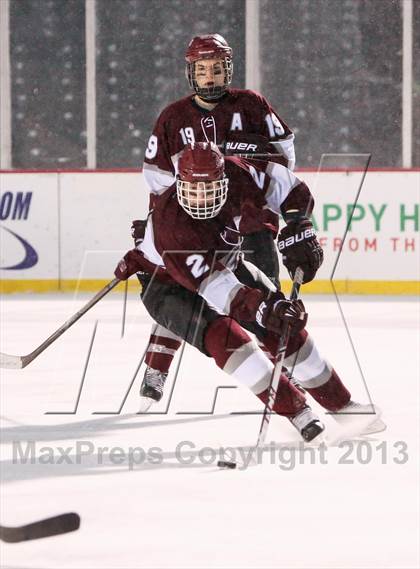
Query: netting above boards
pixel 140 64
pixel 334 75
pixel 47 46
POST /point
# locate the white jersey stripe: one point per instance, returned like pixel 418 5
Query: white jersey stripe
pixel 219 289
pixel 147 246
pixel 287 148
pixel 158 180
pixel 282 181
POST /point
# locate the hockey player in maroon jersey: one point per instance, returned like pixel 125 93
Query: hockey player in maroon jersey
pixel 197 285
pixel 214 113
pixel 237 120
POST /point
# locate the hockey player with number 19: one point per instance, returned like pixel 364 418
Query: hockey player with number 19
pixel 197 285
pixel 238 121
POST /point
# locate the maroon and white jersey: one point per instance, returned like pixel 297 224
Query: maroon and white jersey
pixel 183 122
pixel 201 255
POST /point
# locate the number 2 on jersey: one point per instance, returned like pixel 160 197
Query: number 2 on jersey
pixel 197 264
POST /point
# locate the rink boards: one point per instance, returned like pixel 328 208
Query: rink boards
pixel 67 230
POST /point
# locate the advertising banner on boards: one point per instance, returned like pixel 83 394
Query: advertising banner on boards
pixel 60 229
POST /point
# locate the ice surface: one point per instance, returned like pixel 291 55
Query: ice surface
pixel 172 515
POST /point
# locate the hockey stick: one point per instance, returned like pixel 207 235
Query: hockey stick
pixel 19 362
pixel 56 525
pixel 274 383
pixel 280 356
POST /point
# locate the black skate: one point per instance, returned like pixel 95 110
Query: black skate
pixel 307 423
pixel 151 390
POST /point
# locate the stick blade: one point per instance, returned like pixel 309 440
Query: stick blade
pixel 11 362
pixel 64 523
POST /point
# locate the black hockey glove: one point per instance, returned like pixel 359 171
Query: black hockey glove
pixel 276 311
pixel 138 229
pixel 299 247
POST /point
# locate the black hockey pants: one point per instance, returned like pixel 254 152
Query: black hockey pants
pixel 260 250
pixel 186 313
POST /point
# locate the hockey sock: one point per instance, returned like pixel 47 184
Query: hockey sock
pixel 313 372
pixel 238 355
pixel 162 348
pixel 266 351
pixel 332 395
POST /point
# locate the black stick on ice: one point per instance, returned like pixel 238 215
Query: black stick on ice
pixel 56 525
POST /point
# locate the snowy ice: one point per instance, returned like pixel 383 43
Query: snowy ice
pixel 352 504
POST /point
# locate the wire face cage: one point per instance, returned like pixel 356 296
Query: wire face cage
pixel 202 200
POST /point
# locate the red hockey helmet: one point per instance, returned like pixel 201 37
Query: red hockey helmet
pixel 201 183
pixel 211 46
